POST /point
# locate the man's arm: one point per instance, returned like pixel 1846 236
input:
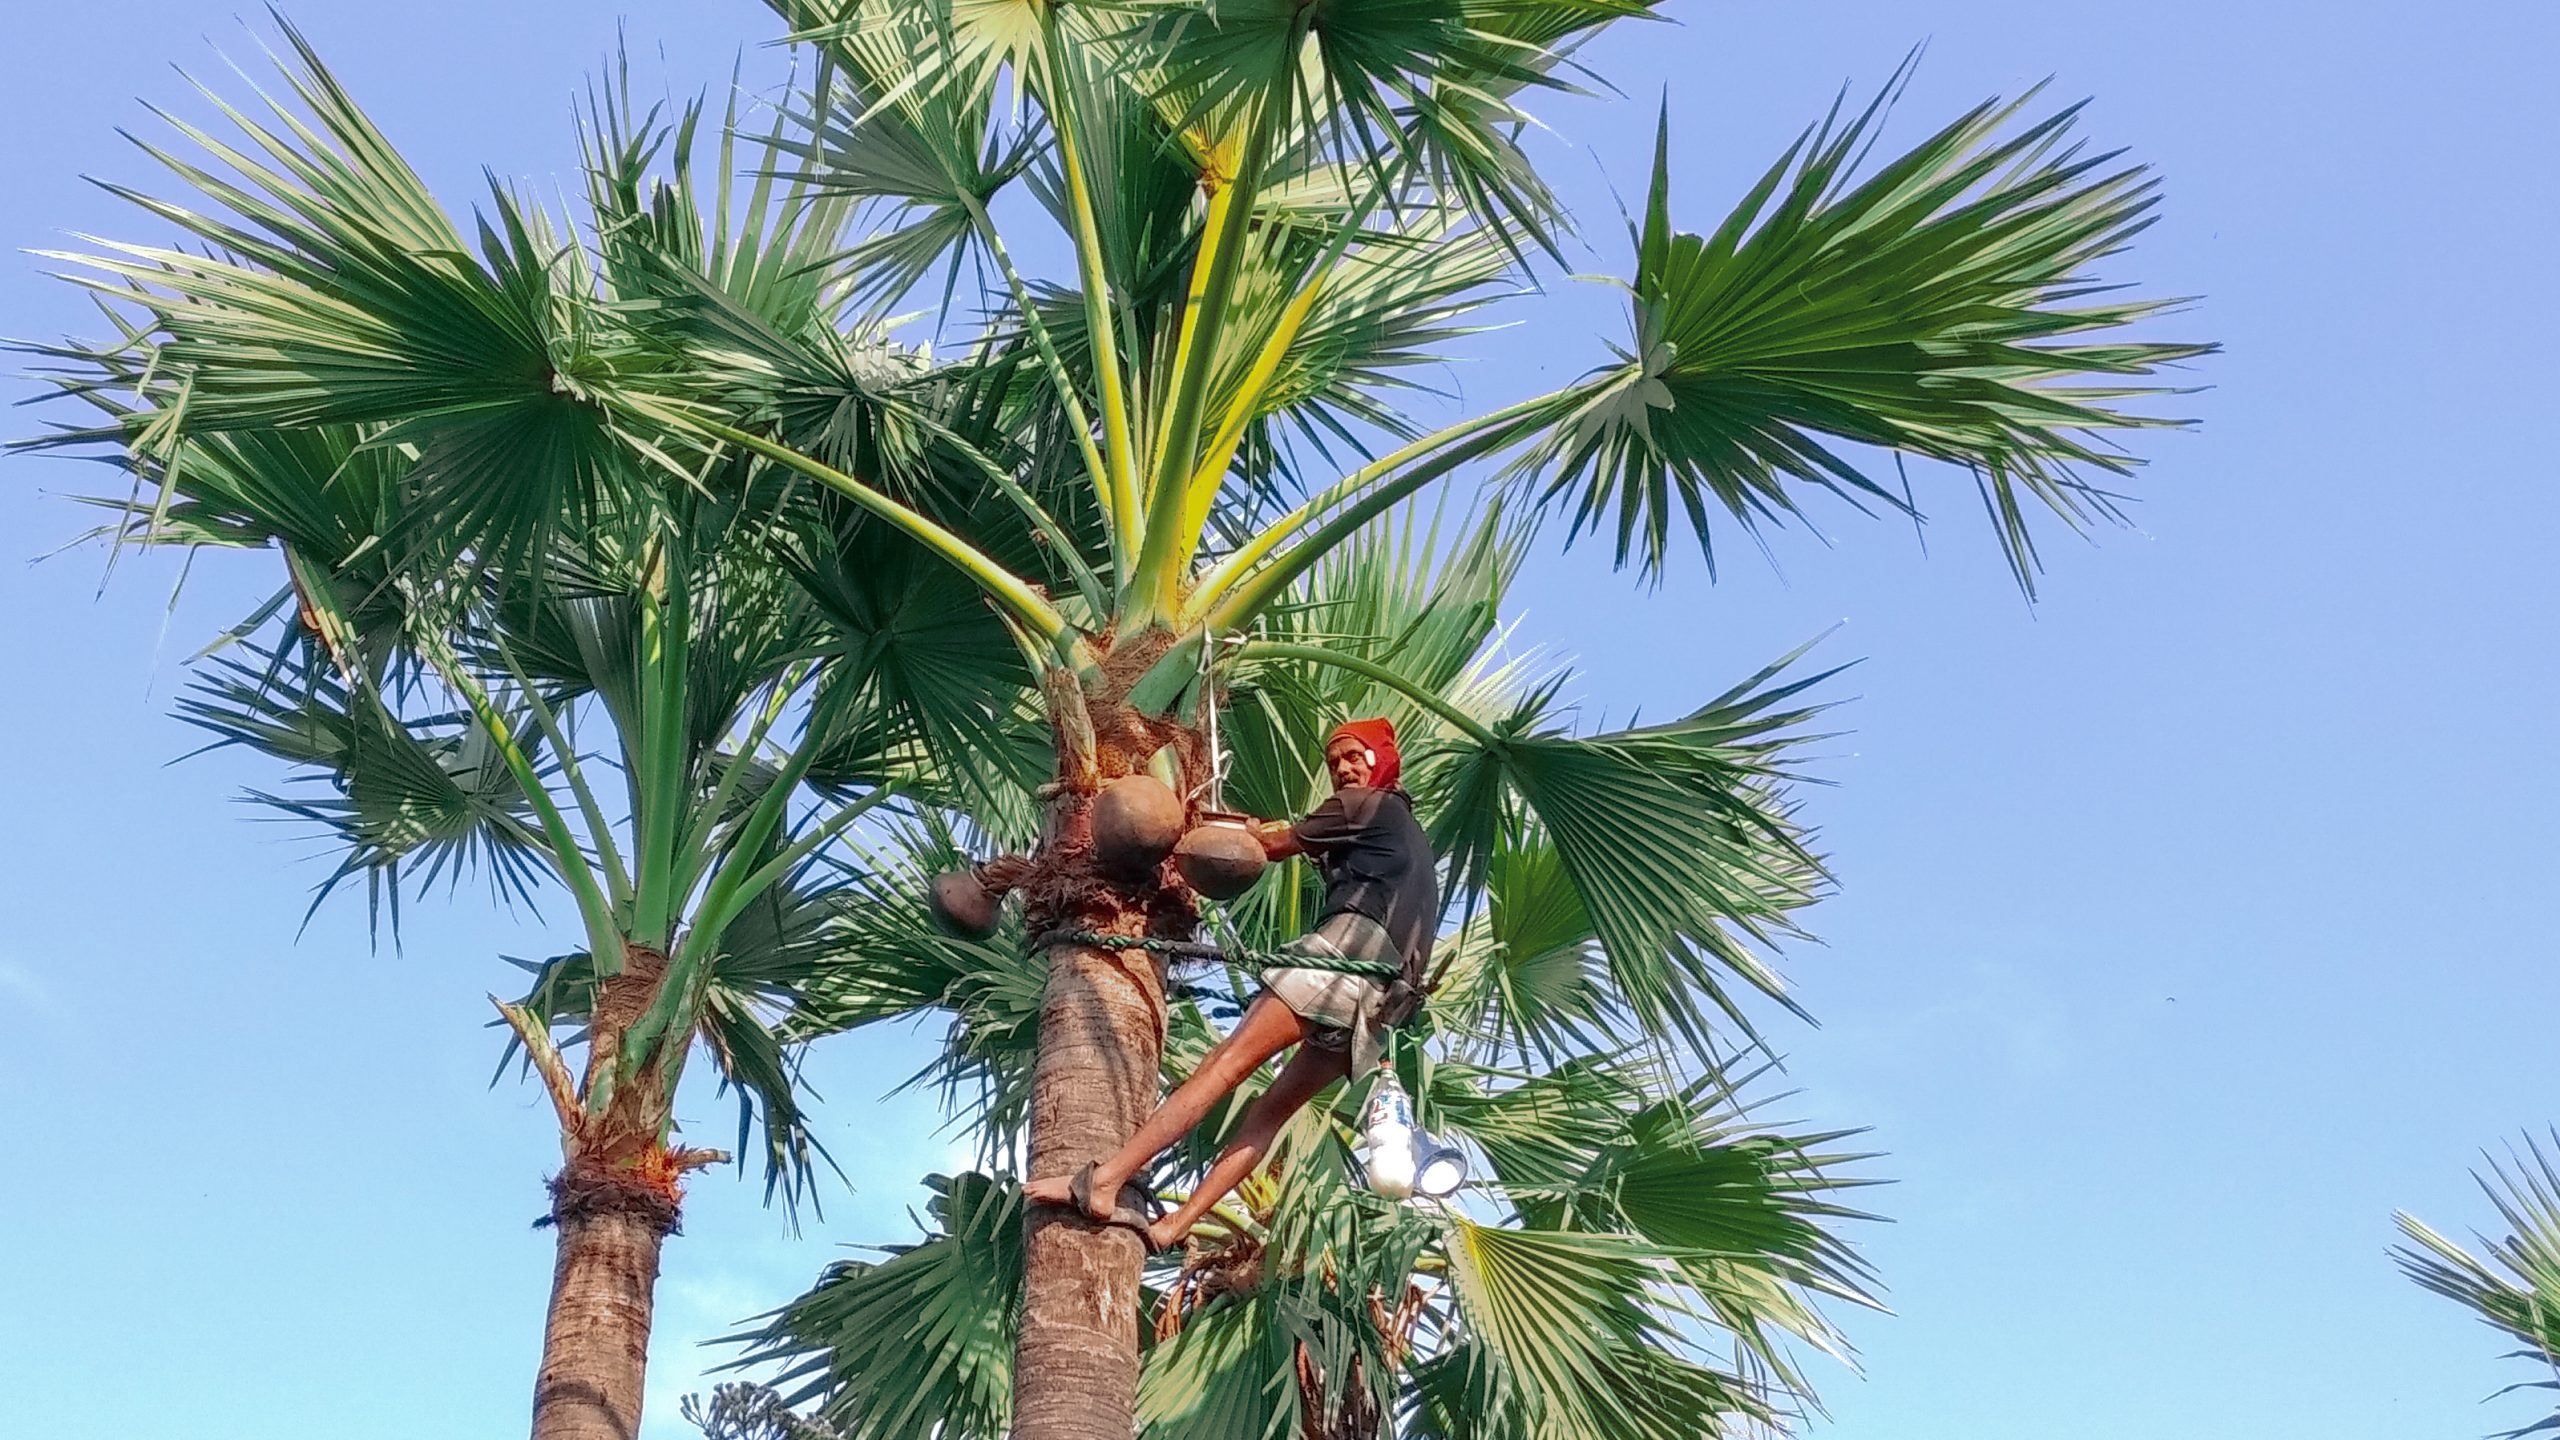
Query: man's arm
pixel 1279 839
pixel 1329 824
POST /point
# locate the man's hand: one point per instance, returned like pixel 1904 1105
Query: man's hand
pixel 1279 838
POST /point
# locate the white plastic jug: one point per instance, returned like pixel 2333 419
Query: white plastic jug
pixel 1400 1160
pixel 1387 1152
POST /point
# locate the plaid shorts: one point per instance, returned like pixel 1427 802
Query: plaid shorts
pixel 1340 1009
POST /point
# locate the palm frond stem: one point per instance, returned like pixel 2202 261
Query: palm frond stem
pixel 663 772
pixel 617 876
pixel 1207 476
pixel 568 858
pixel 1066 115
pixel 1241 587
pixel 1165 552
pixel 741 762
pixel 1069 399
pixel 1016 598
pixel 1438 705
pixel 1088 584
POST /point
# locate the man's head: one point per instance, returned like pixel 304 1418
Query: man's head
pixel 1348 761
pixel 1362 752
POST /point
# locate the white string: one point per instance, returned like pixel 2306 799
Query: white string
pixel 1217 749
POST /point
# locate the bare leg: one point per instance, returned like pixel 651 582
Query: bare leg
pixel 1307 1072
pixel 1267 1028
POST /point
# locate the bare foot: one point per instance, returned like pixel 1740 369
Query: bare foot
pixel 1052 1191
pixel 1165 1234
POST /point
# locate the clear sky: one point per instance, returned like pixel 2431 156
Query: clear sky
pixel 2188 923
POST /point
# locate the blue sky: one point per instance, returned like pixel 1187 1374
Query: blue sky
pixel 2188 922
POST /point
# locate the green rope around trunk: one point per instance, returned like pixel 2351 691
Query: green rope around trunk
pixel 1385 970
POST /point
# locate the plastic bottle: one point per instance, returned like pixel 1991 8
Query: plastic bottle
pixel 1387 1151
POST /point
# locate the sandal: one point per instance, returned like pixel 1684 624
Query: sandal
pixel 1137 1218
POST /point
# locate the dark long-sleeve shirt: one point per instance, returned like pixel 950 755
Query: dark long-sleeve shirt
pixel 1377 862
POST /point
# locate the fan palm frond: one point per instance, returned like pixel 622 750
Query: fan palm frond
pixel 918 1345
pixel 1940 307
pixel 2511 1284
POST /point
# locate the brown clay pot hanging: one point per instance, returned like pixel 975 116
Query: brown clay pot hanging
pixel 1221 859
pixel 1136 820
pixel 964 905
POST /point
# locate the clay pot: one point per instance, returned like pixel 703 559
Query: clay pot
pixel 1136 820
pixel 963 905
pixel 1220 860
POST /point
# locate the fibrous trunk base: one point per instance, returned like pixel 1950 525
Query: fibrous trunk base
pixel 612 1224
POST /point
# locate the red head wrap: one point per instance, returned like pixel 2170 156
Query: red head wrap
pixel 1378 737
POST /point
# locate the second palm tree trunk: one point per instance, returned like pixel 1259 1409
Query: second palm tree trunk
pixel 595 1342
pixel 615 1203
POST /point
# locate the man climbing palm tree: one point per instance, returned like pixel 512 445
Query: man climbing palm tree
pixel 1381 903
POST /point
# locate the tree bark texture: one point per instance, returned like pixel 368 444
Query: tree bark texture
pixel 595 1343
pixel 1101 1040
pixel 1102 1023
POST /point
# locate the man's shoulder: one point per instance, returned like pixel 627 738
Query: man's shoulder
pixel 1391 807
pixel 1364 804
pixel 1363 807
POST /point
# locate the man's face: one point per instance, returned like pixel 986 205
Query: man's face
pixel 1348 761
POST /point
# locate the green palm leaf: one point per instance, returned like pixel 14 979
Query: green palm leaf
pixel 768 957
pixel 406 801
pixel 1529 970
pixel 1940 307
pixel 1747 1213
pixel 1232 1371
pixel 1544 1133
pixel 887 961
pixel 2512 1284
pixel 1676 837
pixel 919 1345
pixel 339 293
pixel 1465 128
pixel 939 689
pixel 1389 309
pixel 1563 1342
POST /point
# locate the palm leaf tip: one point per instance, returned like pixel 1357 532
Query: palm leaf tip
pixel 406 800
pixel 1938 305
pixel 332 289
pixel 1680 840
pixel 2511 1284
pixel 2519 1276
pixel 918 1344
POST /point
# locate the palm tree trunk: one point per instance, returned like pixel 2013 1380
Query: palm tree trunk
pixel 1102 1019
pixel 1101 1041
pixel 595 1343
pixel 614 1203
pixel 1102 1049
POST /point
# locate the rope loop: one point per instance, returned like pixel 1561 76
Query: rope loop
pixel 1386 970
